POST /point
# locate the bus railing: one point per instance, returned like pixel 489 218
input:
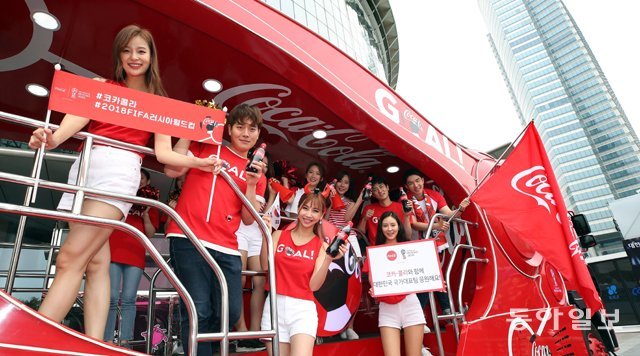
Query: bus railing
pixel 224 335
pixel 456 315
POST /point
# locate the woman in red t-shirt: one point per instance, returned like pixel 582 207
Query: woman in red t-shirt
pixel 86 251
pixel 301 265
pixel 128 262
pixel 401 312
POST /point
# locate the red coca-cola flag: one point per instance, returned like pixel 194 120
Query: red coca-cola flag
pixel 524 195
pixel 118 105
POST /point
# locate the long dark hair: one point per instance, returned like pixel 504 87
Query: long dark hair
pixel 380 238
pixel 349 193
pixel 152 76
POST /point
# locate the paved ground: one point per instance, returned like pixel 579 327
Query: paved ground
pixel 629 344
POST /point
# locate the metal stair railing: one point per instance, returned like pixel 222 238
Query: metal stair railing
pixel 455 316
pixel 224 335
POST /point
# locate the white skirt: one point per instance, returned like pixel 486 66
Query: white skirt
pixel 110 169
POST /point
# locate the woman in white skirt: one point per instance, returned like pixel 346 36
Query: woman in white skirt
pixel 301 265
pixel 402 312
pixel 86 249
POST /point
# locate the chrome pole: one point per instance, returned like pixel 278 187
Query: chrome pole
pixel 22 223
pixel 116 224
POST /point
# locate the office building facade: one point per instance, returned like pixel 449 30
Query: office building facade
pixel 554 78
pixel 363 29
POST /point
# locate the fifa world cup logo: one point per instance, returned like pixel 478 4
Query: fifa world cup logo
pixel 403 252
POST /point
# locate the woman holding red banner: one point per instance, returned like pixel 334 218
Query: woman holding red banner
pixel 86 249
pixel 402 312
pixel 301 266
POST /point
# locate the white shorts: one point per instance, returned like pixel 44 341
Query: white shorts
pixel 401 315
pixel 110 169
pixel 295 316
pixel 249 239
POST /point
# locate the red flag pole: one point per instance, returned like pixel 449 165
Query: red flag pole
pixel 40 152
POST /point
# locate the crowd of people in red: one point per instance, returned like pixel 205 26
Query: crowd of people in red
pixel 113 262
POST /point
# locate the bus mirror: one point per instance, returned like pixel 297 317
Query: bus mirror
pixel 587 241
pixel 580 224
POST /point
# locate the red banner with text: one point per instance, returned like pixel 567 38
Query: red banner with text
pixel 118 105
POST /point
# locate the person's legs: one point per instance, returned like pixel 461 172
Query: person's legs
pixel 390 341
pixel 302 345
pixel 97 290
pixel 196 275
pixel 231 266
pixel 257 294
pixel 443 298
pixel 130 281
pixel 413 336
pixel 241 325
pixel 83 244
pixel 115 277
pixel 283 348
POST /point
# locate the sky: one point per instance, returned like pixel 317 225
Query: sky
pixel 449 74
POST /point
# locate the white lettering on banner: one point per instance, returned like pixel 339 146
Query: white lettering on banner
pixel 277 118
pixel 542 195
pixel 383 97
pixel 386 101
pixel 540 350
pixel 575 249
pixel 291 253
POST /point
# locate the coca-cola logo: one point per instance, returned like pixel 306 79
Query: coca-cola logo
pixel 540 350
pixel 392 255
pixel 278 118
pixel 533 182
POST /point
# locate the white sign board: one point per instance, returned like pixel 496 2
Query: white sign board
pixel 404 268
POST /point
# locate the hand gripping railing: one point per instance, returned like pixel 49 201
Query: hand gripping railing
pixel 194 337
pixel 454 316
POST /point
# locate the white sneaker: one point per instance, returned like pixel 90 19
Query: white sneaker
pixel 426 329
pixel 351 335
pixel 426 352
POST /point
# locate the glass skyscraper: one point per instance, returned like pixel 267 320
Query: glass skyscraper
pixel 363 29
pixel 554 78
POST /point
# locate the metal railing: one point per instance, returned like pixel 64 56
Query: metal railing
pixel 224 335
pixel 454 316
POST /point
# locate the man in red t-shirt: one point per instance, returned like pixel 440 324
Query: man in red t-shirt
pixel 373 211
pixel 431 202
pixel 214 213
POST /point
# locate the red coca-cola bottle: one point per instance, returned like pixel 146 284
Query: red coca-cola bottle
pixel 339 240
pixel 406 204
pixel 366 193
pixel 257 156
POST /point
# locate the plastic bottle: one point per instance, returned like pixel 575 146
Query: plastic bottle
pixel 258 155
pixel 339 240
pixel 366 194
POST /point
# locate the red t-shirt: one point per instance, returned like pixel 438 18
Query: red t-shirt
pixel 372 222
pixel 294 266
pixel 220 232
pixel 432 202
pixel 125 248
pixel 120 133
